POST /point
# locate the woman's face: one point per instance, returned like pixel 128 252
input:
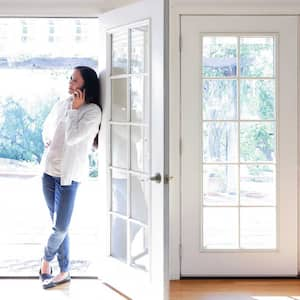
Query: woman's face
pixel 76 82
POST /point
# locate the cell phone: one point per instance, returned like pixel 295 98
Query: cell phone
pixel 82 88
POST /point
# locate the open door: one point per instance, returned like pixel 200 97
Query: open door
pixel 135 114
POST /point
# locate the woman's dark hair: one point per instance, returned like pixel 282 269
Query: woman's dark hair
pixel 92 90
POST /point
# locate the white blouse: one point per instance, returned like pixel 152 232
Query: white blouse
pixel 68 135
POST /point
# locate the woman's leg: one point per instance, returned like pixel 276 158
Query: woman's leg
pixel 49 192
pixel 58 242
pixel 48 184
pixel 63 254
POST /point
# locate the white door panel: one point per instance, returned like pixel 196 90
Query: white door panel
pixel 239 135
pixel 135 257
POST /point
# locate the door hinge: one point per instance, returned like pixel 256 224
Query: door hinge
pixel 180 146
pixel 180 43
pixel 180 251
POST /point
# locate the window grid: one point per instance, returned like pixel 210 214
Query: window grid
pixel 240 163
pixel 129 124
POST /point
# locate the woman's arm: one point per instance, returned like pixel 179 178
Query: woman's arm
pixel 87 126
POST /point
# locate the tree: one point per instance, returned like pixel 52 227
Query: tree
pixel 21 132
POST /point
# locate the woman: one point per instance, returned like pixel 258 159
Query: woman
pixel 68 134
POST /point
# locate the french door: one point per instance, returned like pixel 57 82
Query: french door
pixel 239 153
pixel 135 260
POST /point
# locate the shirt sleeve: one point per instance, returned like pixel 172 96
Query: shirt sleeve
pixel 82 126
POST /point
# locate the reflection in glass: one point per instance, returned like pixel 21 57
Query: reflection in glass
pixel 139 49
pixel 139 248
pixel 119 99
pixel 258 228
pixel 139 99
pixel 220 184
pixel 220 141
pixel 119 52
pixel 257 141
pixel 139 149
pixel 257 185
pixel 139 198
pixel 257 56
pixel 220 228
pixel 219 56
pixel 118 238
pixel 119 185
pixel 257 99
pixel 219 99
pixel 119 142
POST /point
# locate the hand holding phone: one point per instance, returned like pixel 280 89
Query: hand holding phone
pixel 78 98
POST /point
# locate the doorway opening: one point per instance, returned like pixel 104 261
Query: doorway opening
pixel 37 56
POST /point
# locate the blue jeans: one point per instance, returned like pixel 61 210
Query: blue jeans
pixel 60 201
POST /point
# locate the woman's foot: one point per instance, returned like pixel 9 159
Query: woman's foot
pixel 45 267
pixel 62 277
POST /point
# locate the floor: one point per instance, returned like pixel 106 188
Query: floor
pixel 233 289
pixel 215 289
pixel 77 289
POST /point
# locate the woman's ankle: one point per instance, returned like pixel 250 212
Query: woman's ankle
pixel 45 267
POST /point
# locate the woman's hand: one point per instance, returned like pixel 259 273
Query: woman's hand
pixel 78 99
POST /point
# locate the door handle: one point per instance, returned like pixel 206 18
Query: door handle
pixel 156 178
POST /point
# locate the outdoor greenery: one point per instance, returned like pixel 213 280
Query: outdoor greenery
pixel 256 98
pixel 238 85
pixel 21 132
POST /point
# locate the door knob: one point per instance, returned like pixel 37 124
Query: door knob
pixel 156 178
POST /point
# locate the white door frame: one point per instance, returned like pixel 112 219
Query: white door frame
pixel 176 11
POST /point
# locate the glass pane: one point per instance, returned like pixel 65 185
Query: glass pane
pixel 119 52
pixel 257 56
pixel 258 228
pixel 139 198
pixel 219 99
pixel 119 99
pixel 139 149
pixel 118 238
pixel 119 141
pixel 257 185
pixel 139 49
pixel 219 56
pixel 119 183
pixel 220 228
pixel 257 99
pixel 220 185
pixel 257 141
pixel 220 141
pixel 139 248
pixel 139 99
